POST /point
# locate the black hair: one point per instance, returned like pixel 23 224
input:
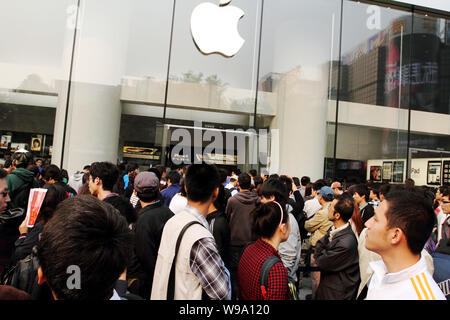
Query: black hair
pixel 64 174
pixel 253 172
pixel 90 234
pixel 257 180
pixel 124 206
pixel 245 181
pixel 3 174
pixel 375 188
pixel 7 164
pixel 361 189
pixel 34 168
pixel 287 183
pixel 54 195
pixel 131 166
pixel 183 189
pixel 413 214
pixel 220 203
pixel 274 187
pixel 201 181
pixel 266 219
pixel 87 167
pixel 51 171
pixel 296 181
pixel 105 171
pixel 317 185
pixel 384 189
pixel 410 182
pixel 308 190
pixel 274 175
pixel 344 206
pixel 305 180
pixel 174 177
pixel 223 173
pixel 149 194
pixel 156 171
pixel 38 141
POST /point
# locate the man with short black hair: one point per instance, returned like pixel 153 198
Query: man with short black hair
pixel 102 178
pixel 398 232
pixel 199 268
pixel 304 181
pixel 361 194
pixel 149 228
pixel 173 187
pixel 337 254
pixel 87 241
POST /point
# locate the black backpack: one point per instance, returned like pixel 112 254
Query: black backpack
pixel 264 277
pixel 23 275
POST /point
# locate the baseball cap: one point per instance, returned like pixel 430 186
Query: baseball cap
pixel 327 192
pixel 144 180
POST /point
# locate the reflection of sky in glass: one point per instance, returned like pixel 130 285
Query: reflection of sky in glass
pixel 294 32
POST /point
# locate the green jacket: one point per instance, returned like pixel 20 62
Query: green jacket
pixel 17 193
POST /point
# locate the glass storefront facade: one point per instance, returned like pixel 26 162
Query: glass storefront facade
pixel 352 90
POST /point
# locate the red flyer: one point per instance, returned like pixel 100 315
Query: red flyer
pixel 35 200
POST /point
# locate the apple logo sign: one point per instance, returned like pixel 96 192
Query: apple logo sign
pixel 214 28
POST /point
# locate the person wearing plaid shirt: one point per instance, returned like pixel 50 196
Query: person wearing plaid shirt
pixel 200 271
pixel 207 265
pixel 271 224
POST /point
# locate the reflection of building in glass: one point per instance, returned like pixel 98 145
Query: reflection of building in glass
pixel 406 53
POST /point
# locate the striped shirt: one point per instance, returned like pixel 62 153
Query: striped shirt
pixel 413 283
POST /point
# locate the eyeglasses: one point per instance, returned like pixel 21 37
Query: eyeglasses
pixel 4 193
pixel 445 201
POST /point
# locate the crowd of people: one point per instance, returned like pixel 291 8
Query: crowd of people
pixel 202 232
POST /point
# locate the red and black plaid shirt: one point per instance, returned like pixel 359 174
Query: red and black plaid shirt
pixel 249 273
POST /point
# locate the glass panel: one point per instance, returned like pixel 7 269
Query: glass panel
pixel 430 84
pixel 35 54
pixel 373 91
pixel 300 40
pixel 213 89
pixel 119 81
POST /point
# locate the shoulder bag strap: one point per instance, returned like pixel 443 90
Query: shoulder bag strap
pixel 264 275
pixel 171 285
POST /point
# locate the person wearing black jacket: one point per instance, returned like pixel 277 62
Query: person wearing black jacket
pixel 337 254
pixel 361 195
pixel 218 223
pixel 148 231
pixel 297 205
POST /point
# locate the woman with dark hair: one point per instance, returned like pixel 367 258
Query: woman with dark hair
pixel 356 221
pixel 29 237
pixel 290 250
pixel 270 224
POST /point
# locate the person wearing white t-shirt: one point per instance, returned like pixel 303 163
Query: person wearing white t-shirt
pixel 398 231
